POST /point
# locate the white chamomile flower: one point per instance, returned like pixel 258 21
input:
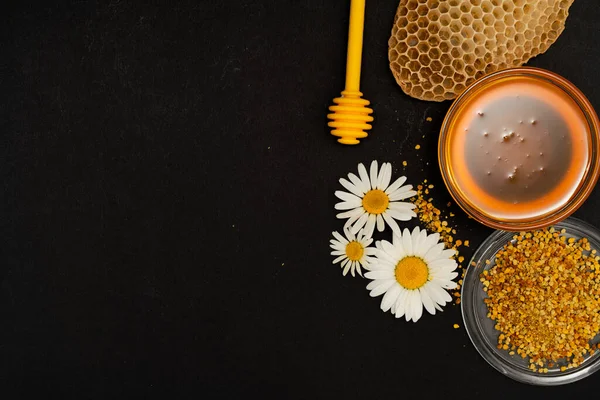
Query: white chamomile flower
pixel 352 251
pixel 373 201
pixel 414 272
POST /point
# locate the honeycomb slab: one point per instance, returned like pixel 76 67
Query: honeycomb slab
pixel 438 48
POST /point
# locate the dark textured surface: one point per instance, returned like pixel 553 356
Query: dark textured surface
pixel 167 201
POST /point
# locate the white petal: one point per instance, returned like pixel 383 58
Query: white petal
pixel 370 225
pixel 396 185
pixel 405 187
pixel 401 206
pixel 433 253
pixel 348 200
pixel 366 261
pixel 417 305
pixel 339 237
pixel 444 283
pixel 380 176
pixel 364 177
pixel 337 248
pixel 358 269
pixel 387 177
pixel 401 215
pixel 373 284
pixel 380 246
pixel 383 180
pixel 359 236
pixel 349 222
pixel 426 299
pixel 370 251
pixel 431 241
pixel 347 268
pixel 352 213
pixel 382 287
pixel 373 174
pixel 382 265
pixel 390 297
pixel 346 205
pixel 343 264
pixel 384 258
pixel 349 235
pixel 380 223
pixel 397 252
pixel 351 187
pixel 402 194
pixel 408 306
pixel 353 268
pixel 390 250
pixel 440 274
pixel 340 258
pixel 397 239
pixel 360 223
pixel 438 294
pixel 385 263
pixel 360 185
pixel 447 253
pixel 380 274
pixel 345 196
pixel 392 224
pixel 421 242
pixel 401 303
pixel 407 242
pixel 414 237
pixel 445 263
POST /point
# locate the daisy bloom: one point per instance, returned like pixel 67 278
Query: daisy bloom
pixel 412 272
pixel 373 201
pixel 352 251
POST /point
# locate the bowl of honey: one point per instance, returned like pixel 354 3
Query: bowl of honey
pixel 518 149
pixel 482 329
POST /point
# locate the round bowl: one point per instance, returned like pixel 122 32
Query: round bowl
pixel 507 168
pixel 481 329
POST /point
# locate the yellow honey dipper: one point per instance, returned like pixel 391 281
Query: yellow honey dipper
pixel 350 114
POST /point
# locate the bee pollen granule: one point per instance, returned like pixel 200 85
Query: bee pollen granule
pixel 544 295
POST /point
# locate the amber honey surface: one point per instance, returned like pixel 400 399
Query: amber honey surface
pixel 518 148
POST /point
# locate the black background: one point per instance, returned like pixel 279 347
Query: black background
pixel 167 202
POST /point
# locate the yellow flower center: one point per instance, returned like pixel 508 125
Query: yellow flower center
pixel 354 251
pixel 375 201
pixel 412 272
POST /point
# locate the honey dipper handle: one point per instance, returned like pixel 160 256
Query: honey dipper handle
pixel 355 39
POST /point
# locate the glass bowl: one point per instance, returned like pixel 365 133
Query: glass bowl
pixel 488 208
pixel 481 329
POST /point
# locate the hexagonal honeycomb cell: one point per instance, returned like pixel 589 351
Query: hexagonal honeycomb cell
pixel 438 48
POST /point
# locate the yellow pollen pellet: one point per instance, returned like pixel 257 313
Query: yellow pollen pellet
pixel 543 293
pixel 433 219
